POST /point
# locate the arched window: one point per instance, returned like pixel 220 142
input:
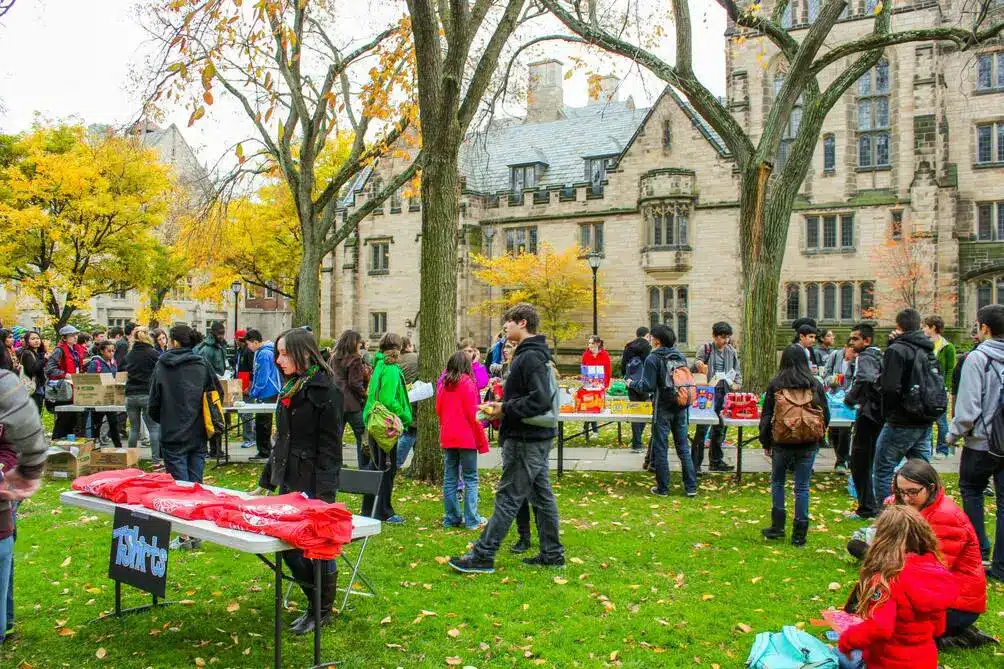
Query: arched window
pixel 846 301
pixel 791 302
pixel 829 153
pixel 984 294
pixel 830 301
pixel 868 300
pixel 653 307
pixel 812 300
pixel 682 318
pixel 873 116
pixel 1000 290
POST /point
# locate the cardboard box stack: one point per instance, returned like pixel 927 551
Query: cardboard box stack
pixel 95 390
pixel 66 460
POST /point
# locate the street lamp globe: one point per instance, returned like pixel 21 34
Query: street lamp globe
pixel 594 259
pixel 235 287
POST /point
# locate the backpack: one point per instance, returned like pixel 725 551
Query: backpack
pixel 791 648
pixel 679 384
pixel 550 417
pixel 634 369
pixel 925 397
pixel 796 419
pixel 995 426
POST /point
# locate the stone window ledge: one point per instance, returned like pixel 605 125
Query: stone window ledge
pixel 988 91
pixel 829 173
pixel 827 251
pixel 379 272
pixel 993 165
pixel 674 247
pixel 874 168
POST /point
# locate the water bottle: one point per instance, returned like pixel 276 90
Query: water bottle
pixel 70 437
pixel 851 490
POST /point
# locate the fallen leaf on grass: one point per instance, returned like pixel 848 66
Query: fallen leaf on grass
pixel 100 653
pixel 199 662
pixel 576 560
pixel 66 631
pixel 613 656
pixel 744 628
pixel 66 562
pixel 833 586
pixel 385 621
pixel 453 632
pixel 453 661
pixel 187 602
pixel 232 607
pixel 560 581
pixel 707 597
pixel 756 579
pixel 442 560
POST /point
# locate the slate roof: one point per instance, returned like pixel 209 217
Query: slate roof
pixel 699 122
pixel 596 130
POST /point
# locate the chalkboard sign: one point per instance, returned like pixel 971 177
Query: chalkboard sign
pixel 139 551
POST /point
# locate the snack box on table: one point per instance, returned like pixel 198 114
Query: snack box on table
pixel 590 401
pixel 232 392
pixel 107 459
pixel 66 460
pixel 94 389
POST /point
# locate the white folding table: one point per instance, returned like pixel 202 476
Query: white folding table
pixel 259 545
pixel 740 423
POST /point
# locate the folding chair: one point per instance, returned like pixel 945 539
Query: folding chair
pixel 355 482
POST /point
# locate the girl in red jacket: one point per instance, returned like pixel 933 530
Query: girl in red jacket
pixel 462 438
pixel 903 593
pixel 596 356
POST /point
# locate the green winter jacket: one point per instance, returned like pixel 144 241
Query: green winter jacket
pixel 214 353
pixel 946 360
pixel 393 391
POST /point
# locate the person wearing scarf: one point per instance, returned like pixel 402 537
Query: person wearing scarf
pixel 307 455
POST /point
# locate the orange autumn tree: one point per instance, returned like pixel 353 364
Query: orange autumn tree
pixel 560 285
pixel 907 266
pixel 300 77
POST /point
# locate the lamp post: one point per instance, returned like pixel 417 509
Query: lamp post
pixel 594 259
pixel 235 288
pixel 489 236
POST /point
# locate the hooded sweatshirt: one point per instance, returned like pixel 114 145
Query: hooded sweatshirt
pixel 899 633
pixel 864 389
pixel 179 380
pixel 265 384
pixel 979 394
pixel 527 391
pixel 637 348
pixel 897 366
pixel 22 435
pixel 653 377
pixel 387 386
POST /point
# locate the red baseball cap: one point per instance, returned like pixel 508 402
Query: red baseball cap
pixel 240 334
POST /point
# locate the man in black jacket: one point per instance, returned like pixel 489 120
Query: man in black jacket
pixel 905 435
pixel 525 449
pixel 864 392
pixel 667 416
pixel 632 362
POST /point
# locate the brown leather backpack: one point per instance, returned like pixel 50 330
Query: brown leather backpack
pixel 796 419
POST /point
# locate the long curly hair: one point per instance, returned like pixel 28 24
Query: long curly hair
pixel 898 531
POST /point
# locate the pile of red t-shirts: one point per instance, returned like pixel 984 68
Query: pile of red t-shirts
pixel 317 528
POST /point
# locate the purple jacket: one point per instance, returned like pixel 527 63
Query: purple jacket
pixel 480 374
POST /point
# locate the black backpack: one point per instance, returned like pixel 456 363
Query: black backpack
pixel 925 397
pixel 995 426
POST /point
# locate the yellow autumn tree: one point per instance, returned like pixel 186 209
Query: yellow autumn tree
pixel 77 215
pixel 559 285
pixel 301 76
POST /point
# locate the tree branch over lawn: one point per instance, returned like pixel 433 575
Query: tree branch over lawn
pixel 301 78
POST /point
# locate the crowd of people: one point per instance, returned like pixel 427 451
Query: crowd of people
pixel 900 394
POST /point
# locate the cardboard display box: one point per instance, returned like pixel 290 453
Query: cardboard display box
pixel 114 458
pixel 232 392
pixel 66 464
pixel 120 381
pixel 94 389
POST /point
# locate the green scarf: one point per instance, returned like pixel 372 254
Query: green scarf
pixel 293 386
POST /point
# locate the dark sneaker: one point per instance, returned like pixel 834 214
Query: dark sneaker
pixel 655 491
pixel 720 467
pixel 691 493
pixel 471 564
pixel 522 545
pixel 541 561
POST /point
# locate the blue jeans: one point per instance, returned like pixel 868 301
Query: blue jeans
pixel 136 406
pixel 853 661
pixel 942 424
pixel 800 460
pixel 667 421
pixel 976 470
pixel 465 459
pixel 185 464
pixel 6 571
pixel 404 446
pixel 354 419
pixel 894 444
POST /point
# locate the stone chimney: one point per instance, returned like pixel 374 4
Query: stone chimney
pixel 606 92
pixel 545 98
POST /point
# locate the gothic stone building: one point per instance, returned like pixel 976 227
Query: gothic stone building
pixel 913 151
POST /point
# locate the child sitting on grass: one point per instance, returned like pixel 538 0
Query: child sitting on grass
pixel 903 594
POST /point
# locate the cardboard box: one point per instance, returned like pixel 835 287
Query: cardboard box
pixel 232 392
pixel 93 389
pixel 68 464
pixel 120 383
pixel 67 445
pixel 114 458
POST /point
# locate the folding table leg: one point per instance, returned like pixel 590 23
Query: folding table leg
pixel 739 456
pixel 561 447
pixel 317 611
pixel 356 574
pixel 278 611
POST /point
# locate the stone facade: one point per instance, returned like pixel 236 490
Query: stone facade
pixel 898 159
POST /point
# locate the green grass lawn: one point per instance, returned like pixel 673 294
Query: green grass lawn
pixel 651 582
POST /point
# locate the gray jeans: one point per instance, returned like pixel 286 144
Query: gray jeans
pixel 136 405
pixel 524 476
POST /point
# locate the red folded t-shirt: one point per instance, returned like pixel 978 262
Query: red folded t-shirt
pixel 191 502
pixel 122 486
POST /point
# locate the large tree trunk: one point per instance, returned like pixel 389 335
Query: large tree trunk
pixel 307 303
pixel 438 306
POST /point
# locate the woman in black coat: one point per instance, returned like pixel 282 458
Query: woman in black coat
pixel 307 456
pixel 32 357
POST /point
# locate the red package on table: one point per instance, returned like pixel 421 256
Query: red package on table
pixel 191 502
pixel 317 528
pixel 122 486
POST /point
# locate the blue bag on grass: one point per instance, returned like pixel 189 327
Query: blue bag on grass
pixel 791 648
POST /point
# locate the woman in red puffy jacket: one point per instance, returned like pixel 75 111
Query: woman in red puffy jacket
pixel 903 594
pixel 596 356
pixel 918 485
pixel 462 438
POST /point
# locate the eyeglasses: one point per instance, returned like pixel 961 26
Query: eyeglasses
pixel 912 492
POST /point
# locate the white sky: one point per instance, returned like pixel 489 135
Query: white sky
pixel 72 58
